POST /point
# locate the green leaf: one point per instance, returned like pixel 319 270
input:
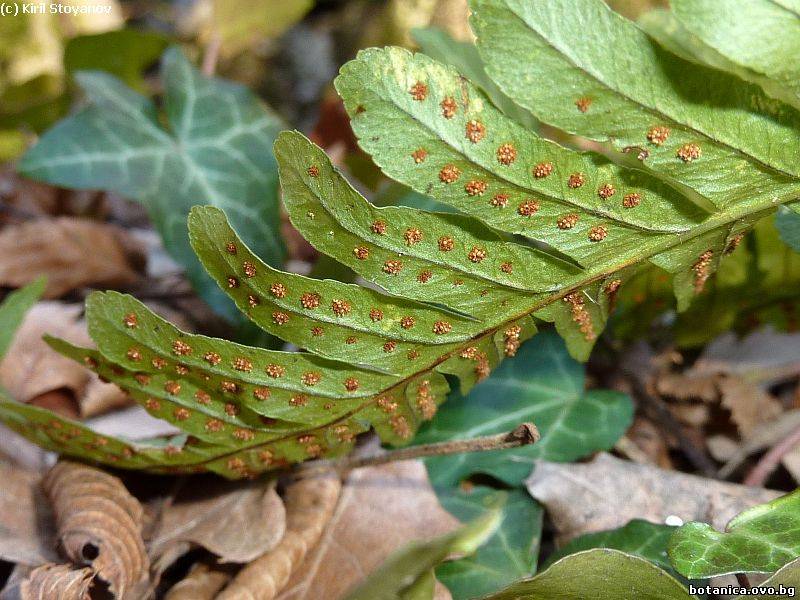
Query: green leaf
pixel 33 105
pixel 638 538
pixel 599 574
pixel 375 88
pixel 761 539
pixel 737 128
pixel 125 53
pixel 13 309
pixel 550 233
pixel 788 223
pixel 723 24
pixel 241 24
pixel 404 569
pixel 216 150
pixel 509 554
pixel 440 45
pixel 464 149
pixel 787 576
pixel 757 283
pixel 543 385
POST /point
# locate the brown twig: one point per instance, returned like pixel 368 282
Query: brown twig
pixel 655 409
pixel 522 435
pixel 769 462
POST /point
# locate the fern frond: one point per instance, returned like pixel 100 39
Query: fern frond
pixel 548 233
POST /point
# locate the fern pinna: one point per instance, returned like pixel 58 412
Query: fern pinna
pixel 545 233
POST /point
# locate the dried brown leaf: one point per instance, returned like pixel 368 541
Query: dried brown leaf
pixel 31 369
pixel 202 583
pixel 99 524
pixel 310 504
pixel 748 403
pixel 235 521
pixel 27 532
pixel 688 386
pixel 650 440
pixel 578 496
pixel 761 437
pixel 57 582
pixel 764 356
pixel 380 510
pixel 71 252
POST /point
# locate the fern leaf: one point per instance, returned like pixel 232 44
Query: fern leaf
pixel 695 123
pixel 486 165
pixel 458 292
pixel 775 27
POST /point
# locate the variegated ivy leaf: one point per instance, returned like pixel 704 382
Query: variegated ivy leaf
pixel 761 539
pixel 212 147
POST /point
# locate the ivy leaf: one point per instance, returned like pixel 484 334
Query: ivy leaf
pixel 761 539
pixel 509 554
pixel 134 52
pixel 543 385
pixel 787 576
pixel 721 24
pixel 408 570
pixel 788 223
pixel 638 538
pixel 13 309
pixel 216 150
pixel 599 574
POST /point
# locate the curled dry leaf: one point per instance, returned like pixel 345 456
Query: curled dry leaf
pixel 577 496
pixel 734 371
pixel 202 583
pixel 749 404
pixel 33 372
pixel 27 533
pixel 57 582
pixel 381 509
pixel 310 504
pixel 71 252
pixel 236 521
pixel 99 524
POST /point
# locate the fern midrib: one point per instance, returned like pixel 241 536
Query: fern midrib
pixel 718 221
pixel 655 111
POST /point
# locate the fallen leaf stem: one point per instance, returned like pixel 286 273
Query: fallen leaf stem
pixel 522 435
pixel 759 474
